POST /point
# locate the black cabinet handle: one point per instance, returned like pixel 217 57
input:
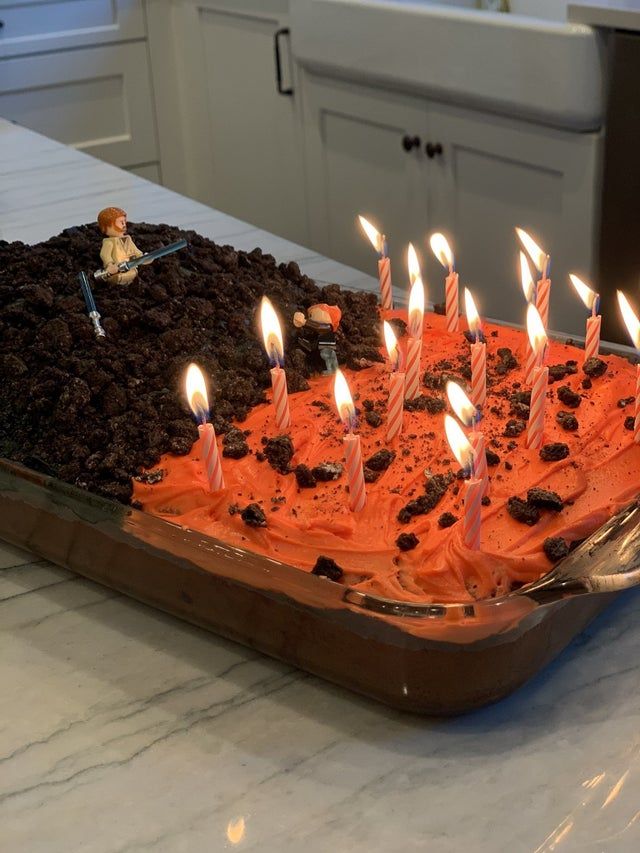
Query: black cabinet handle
pixel 283 31
pixel 433 150
pixel 410 142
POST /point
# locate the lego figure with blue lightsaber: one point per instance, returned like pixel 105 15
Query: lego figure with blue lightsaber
pixel 119 254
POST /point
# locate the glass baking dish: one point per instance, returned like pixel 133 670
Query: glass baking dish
pixel 428 659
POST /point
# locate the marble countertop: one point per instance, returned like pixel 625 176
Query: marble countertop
pixel 614 14
pixel 125 730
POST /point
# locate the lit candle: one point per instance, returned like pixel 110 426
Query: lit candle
pixel 352 451
pixel 443 253
pixel 592 301
pixel 539 379
pixel 633 325
pixel 272 337
pixel 395 403
pixel 414 326
pixel 542 263
pixel 199 404
pixel 473 488
pixel 464 409
pixel 379 243
pixel 478 353
pixel 529 290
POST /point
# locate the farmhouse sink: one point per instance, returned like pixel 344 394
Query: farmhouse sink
pixel 522 65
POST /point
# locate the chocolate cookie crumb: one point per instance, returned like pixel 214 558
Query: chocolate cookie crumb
pixel 567 421
pixel 325 567
pixel 623 402
pixel 374 419
pixel 555 548
pixel 254 516
pixel 425 403
pixel 570 398
pixel 586 383
pixel 234 445
pixel 545 499
pixel 554 452
pixel 381 460
pixel 279 452
pixel 326 471
pixel 523 511
pixel 407 541
pixel 304 477
pixel 514 427
pixel 594 367
pixel 485 500
pixel 508 465
pixel 151 477
pixel 447 519
pixel 629 423
pixel 492 458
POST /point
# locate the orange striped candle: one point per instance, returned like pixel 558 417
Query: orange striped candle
pixel 395 403
pixel 542 263
pixel 352 450
pixel 414 326
pixel 480 468
pixel 470 416
pixel 280 397
pixel 473 488
pixel 539 378
pixel 478 353
pixel 272 336
pixel 442 251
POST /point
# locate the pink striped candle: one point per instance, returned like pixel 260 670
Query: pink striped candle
pixel 473 494
pixel 543 293
pixel 442 250
pixel 395 405
pixel 196 388
pixel 280 397
pixel 538 341
pixel 351 442
pixel 542 263
pixel 636 425
pixel 412 376
pixel 211 457
pixel 535 427
pixel 384 277
pixel 591 301
pixel 478 353
pixel 480 468
pixel 633 325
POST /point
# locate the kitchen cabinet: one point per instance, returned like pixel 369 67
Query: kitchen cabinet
pixel 230 134
pixel 473 175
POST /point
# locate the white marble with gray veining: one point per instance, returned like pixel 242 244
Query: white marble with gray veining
pixel 123 729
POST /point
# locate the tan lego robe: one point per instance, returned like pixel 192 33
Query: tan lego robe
pixel 115 250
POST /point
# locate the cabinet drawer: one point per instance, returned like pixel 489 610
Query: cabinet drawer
pixel 35 26
pixel 96 99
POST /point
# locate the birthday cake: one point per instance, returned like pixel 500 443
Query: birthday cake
pixel 110 415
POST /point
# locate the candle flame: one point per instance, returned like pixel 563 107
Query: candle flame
pixel 630 318
pixel 416 308
pixel 535 330
pixel 588 296
pixel 459 443
pixel 473 318
pixel 344 401
pixel 441 249
pixel 537 255
pixel 236 830
pixel 372 233
pixel 526 278
pixel 391 343
pixel 197 392
pixel 461 404
pixel 271 332
pixel 413 264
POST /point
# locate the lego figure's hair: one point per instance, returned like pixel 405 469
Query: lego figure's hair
pixel 108 216
pixel 335 314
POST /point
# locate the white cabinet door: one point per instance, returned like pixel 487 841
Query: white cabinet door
pixel 241 137
pixel 35 26
pixel 96 99
pixel 357 162
pixel 494 174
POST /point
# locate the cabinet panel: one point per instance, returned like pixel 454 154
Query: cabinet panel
pixel 97 99
pixel 495 174
pixel 149 171
pixel 242 138
pixel 356 163
pixel 35 26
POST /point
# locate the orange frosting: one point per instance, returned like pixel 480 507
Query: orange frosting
pixel 600 475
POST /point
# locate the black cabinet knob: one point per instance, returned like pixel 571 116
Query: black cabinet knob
pixel 410 142
pixel 433 150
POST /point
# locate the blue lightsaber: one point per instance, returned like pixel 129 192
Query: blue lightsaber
pixel 91 305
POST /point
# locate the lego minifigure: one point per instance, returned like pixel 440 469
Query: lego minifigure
pixel 318 335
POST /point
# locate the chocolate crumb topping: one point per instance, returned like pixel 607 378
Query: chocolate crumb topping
pixel 326 471
pixel 407 541
pixel 623 402
pixel 523 511
pixel 555 548
pixel 381 460
pixel 279 452
pixel 554 452
pixel 492 458
pixel 374 419
pixel 325 567
pixel 304 477
pixel 447 519
pixel 629 423
pixel 570 398
pixel 425 403
pixel 253 515
pixel 567 421
pixel 234 445
pixel 545 499
pixel 514 428
pixel 594 367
